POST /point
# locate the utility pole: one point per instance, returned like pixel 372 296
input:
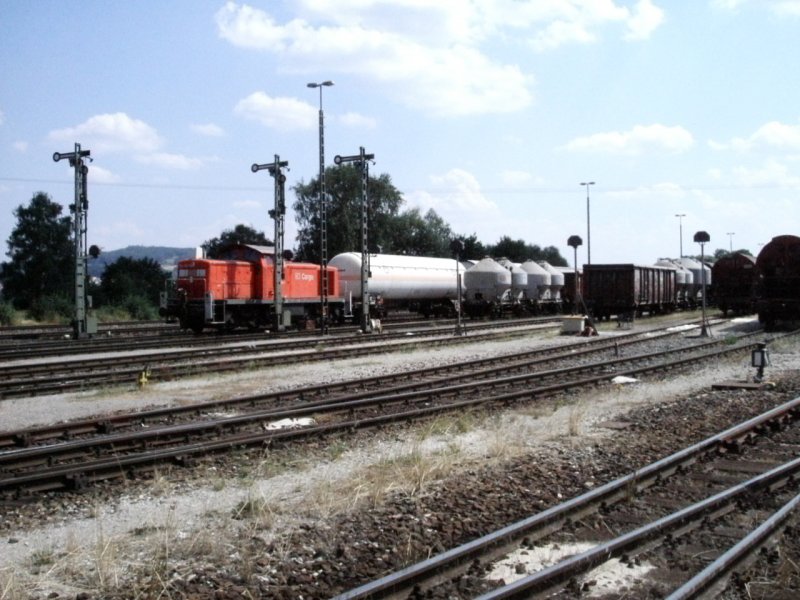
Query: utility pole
pixel 277 214
pixel 85 321
pixel 361 159
pixel 323 215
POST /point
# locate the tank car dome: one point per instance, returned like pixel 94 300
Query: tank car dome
pixel 682 275
pixel 556 279
pixel 519 277
pixel 487 280
pixel 539 280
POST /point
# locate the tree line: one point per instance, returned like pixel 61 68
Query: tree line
pixel 39 276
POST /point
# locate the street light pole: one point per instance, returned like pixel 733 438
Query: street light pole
pixel 323 224
pixel 702 238
pixel 730 235
pixel 575 241
pixel 588 224
pixel 680 229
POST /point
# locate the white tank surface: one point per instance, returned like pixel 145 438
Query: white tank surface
pixel 399 277
pixel 539 280
pixel 487 281
pixel 683 276
pixel 519 278
pixel 696 269
pixel 556 279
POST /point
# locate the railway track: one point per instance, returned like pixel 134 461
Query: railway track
pixel 78 463
pixel 28 378
pixel 690 518
pixel 502 365
pixel 161 336
pixel 11 333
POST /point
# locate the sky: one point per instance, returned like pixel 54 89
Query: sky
pixel 491 113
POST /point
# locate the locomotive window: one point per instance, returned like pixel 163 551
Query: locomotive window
pixel 200 273
pixel 183 272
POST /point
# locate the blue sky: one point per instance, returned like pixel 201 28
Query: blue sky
pixel 489 112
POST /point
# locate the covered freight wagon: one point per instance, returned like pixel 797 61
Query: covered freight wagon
pixel 778 266
pixel 734 288
pixel 627 289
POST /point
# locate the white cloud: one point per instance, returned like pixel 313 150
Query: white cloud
pixel 640 139
pixel 646 18
pixel 787 8
pixel 247 204
pixel 21 147
pixel 457 197
pixel 780 8
pixel 432 56
pixel 109 133
pixel 101 175
pixel 2 117
pixel 283 114
pixel 515 178
pixel 773 135
pixel 173 161
pixel 352 119
pixel 771 173
pixel 444 77
pixel 208 129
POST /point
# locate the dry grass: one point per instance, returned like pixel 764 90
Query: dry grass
pixel 576 419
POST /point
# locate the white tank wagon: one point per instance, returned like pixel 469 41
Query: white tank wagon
pixel 695 291
pixel 539 295
pixel 419 283
pixel 519 280
pixel 684 280
pixel 556 282
pixel 487 288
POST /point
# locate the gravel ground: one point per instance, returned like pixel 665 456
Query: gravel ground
pixel 234 521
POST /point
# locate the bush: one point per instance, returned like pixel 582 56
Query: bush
pixel 140 309
pixel 8 316
pixel 52 309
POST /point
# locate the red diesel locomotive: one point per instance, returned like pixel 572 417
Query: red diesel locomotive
pixel 238 290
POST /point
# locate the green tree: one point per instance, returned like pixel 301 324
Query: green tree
pixel 473 248
pixel 241 234
pixel 520 251
pixel 131 278
pixel 42 254
pixel 343 188
pixel 418 235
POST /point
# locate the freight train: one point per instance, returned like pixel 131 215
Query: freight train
pixel 237 289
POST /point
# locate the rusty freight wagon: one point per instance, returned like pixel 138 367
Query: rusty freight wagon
pixel 626 290
pixel 778 266
pixel 734 280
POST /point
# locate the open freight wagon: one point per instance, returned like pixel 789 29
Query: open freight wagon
pixel 628 290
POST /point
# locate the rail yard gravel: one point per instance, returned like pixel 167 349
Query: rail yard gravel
pixel 315 520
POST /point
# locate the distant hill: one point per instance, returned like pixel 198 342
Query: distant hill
pixel 165 256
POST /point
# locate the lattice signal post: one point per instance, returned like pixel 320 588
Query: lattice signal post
pixel 277 214
pixel 85 321
pixel 362 161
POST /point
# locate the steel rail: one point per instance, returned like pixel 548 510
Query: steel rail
pixel 60 477
pixel 415 378
pixel 253 357
pixel 405 395
pixel 715 573
pixel 444 565
pixel 630 542
pixel 418 390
